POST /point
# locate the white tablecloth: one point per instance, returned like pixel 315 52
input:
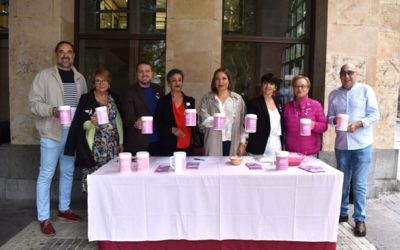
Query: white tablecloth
pixel 218 201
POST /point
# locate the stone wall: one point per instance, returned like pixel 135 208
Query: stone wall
pixel 382 176
pixel 19 168
pixel 194 30
pixel 35 27
pixel 366 33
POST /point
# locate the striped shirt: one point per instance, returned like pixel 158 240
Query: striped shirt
pixel 70 91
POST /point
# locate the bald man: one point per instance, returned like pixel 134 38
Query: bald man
pixel 353 147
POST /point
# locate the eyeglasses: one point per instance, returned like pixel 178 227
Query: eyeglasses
pixel 344 73
pixel 101 81
pixel 300 86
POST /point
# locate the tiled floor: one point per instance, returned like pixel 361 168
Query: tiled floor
pixel 74 236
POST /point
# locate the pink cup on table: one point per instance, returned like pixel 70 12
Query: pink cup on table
pixel 282 160
pixel 102 115
pixel 250 123
pixel 142 161
pixel 219 121
pixel 305 127
pixel 190 117
pixel 65 115
pixel 125 162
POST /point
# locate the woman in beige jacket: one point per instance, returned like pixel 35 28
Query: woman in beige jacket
pixel 222 100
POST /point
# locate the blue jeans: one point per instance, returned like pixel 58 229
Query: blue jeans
pixel 355 165
pixel 52 151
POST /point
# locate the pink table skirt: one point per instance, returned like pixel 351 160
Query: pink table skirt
pixel 216 245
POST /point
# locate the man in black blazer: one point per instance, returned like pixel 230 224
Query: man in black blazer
pixel 140 99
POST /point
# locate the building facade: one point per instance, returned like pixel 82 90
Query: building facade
pixel 249 37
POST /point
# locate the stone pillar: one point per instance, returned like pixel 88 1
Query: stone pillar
pixel 35 27
pixel 367 34
pixel 194 30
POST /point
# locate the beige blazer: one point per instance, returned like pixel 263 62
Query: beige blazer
pixel 213 138
pixel 46 92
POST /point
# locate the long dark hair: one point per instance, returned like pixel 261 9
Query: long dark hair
pixel 227 73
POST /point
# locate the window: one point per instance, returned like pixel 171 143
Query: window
pixel 117 34
pixel 265 37
pixel 112 14
pixel 4 16
pixel 293 58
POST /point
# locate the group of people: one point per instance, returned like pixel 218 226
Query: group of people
pixel 89 145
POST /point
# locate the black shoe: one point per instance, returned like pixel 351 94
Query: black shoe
pixel 360 229
pixel 343 218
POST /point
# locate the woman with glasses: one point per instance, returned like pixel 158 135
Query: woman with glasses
pixel 95 144
pixel 268 137
pixel 303 107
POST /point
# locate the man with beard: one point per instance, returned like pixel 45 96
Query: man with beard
pixel 140 99
pixel 54 87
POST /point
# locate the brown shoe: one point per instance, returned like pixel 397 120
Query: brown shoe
pixel 46 228
pixel 343 218
pixel 69 216
pixel 360 229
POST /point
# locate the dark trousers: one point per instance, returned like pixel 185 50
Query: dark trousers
pixel 226 147
pixel 154 149
pixel 170 151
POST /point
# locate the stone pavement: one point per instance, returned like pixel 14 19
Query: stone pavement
pixel 383 228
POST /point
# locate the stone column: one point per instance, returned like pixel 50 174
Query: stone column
pixel 194 30
pixel 35 27
pixel 367 34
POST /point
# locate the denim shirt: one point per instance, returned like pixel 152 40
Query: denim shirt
pixel 360 104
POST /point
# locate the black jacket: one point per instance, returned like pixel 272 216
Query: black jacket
pixel 76 143
pixel 258 141
pixel 164 120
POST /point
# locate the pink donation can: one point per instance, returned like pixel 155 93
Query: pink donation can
pixel 342 122
pixel 102 115
pixel 219 121
pixel 65 115
pixel 190 117
pixel 305 127
pixel 250 123
pixel 147 124
pixel 142 161
pixel 125 162
pixel 282 160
